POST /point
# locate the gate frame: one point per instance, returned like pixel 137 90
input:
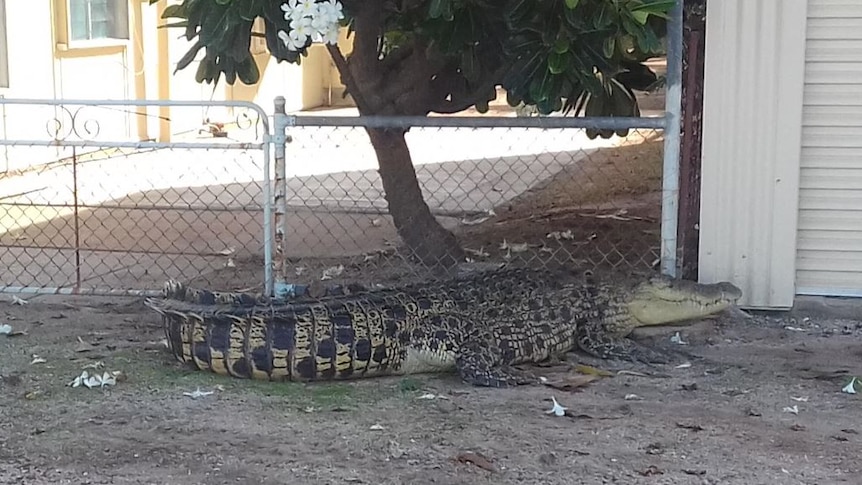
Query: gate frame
pixel 263 144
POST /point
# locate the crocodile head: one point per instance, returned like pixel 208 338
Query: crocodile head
pixel 662 300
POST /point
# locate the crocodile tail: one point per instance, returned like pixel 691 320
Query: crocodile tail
pixel 168 317
pixel 176 290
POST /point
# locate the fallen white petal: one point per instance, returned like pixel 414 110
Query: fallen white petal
pixel 18 301
pixel 37 360
pixel 800 399
pixel 633 397
pixel 685 365
pixel 851 387
pixel 376 427
pixel 5 329
pixel 677 339
pixel 197 393
pixel 557 410
pixel 794 409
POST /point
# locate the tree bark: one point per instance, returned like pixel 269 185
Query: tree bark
pixel 427 240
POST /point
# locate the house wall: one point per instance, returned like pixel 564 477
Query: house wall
pixel 829 256
pixel 39 68
pixel 755 64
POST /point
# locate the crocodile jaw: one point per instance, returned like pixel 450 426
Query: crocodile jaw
pixel 663 300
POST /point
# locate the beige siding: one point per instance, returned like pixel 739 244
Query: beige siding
pixel 829 256
pixel 751 146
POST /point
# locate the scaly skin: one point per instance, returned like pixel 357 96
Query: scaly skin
pixel 481 326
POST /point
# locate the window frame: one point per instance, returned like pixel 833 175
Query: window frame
pixel 65 43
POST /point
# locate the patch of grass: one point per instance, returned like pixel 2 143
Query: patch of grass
pixel 409 384
pixel 163 374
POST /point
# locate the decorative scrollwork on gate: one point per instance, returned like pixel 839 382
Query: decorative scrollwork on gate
pixel 68 123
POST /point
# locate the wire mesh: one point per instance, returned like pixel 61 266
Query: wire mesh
pixel 91 211
pixel 536 197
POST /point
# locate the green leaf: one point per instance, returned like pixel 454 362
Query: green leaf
pixel 608 46
pixel 659 8
pixel 572 4
pixel 557 63
pixel 640 16
pixel 438 8
pixel 561 46
pixel 175 11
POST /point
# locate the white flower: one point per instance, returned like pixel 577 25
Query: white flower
pixel 285 38
pixel 288 10
pixel 331 10
pixel 302 26
pixel 309 19
pixel 304 8
pixel 331 36
pixel 321 22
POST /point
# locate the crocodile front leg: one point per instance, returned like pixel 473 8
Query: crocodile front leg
pixel 481 362
pixel 596 341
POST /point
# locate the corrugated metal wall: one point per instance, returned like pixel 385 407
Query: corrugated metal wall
pixel 829 256
pixel 755 54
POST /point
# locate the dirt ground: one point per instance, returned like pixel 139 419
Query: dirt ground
pixel 723 420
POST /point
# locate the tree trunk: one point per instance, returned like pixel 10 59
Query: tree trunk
pixel 432 244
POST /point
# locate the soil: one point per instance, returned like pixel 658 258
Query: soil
pixel 723 420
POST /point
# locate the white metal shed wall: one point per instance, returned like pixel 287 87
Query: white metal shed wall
pixel 829 256
pixel 755 65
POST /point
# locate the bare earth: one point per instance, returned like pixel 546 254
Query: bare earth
pixel 722 420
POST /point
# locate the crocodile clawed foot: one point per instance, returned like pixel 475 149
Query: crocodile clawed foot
pixel 478 372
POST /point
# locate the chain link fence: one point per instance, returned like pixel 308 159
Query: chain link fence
pixel 84 209
pixel 513 191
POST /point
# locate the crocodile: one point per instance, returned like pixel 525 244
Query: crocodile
pixel 479 326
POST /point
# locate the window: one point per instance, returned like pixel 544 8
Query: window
pixel 98 19
pixel 4 53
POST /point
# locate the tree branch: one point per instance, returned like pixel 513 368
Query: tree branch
pixel 346 76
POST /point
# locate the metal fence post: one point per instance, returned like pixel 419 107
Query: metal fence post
pixel 670 170
pixel 280 122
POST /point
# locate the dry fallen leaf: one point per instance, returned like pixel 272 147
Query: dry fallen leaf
pixel 571 383
pixel 475 459
pixel 592 371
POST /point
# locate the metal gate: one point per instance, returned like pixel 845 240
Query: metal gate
pixel 86 208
